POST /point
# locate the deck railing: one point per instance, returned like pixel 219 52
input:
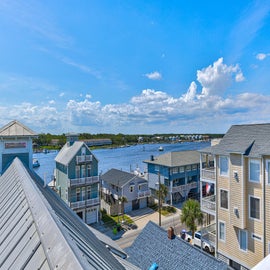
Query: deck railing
pixel 208 204
pixel 83 181
pixel 143 194
pixel 84 203
pixel 186 187
pixel 84 158
pixel 208 173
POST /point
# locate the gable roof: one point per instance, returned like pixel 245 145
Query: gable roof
pixel 15 128
pixel 178 158
pixel 39 231
pixel 67 152
pixel 152 245
pixel 120 178
pixel 250 140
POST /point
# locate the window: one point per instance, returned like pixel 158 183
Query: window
pixel 88 170
pixel 221 233
pixel 267 167
pixel 223 166
pixel 77 171
pixel 131 188
pixel 88 192
pixel 175 170
pixel 83 151
pixel 224 198
pixel 254 170
pixel 83 171
pixel 254 207
pixel 194 167
pixel 181 169
pixel 243 241
pixel 78 193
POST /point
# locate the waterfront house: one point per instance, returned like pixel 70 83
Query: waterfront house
pixel 178 171
pixel 16 141
pixel 77 179
pixel 240 202
pixel 156 248
pixel 116 185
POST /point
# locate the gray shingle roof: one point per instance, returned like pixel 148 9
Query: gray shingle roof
pixel 251 140
pixel 179 158
pixel 39 231
pixel 120 178
pixel 153 246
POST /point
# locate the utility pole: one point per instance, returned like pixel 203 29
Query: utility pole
pixel 159 200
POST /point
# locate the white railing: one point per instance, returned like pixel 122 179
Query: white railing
pixel 143 194
pixel 208 204
pixel 184 188
pixel 208 173
pixel 84 158
pixel 83 181
pixel 84 203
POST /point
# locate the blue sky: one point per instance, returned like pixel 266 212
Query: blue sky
pixel 134 67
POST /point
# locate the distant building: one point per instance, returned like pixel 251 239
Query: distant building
pixel 178 171
pixel 156 247
pixel 97 142
pixel 236 193
pixel 16 141
pixel 77 179
pixel 117 184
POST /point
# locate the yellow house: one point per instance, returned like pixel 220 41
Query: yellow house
pixel 235 195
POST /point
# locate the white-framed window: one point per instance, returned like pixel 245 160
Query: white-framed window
pixel 83 171
pixel 175 170
pixel 222 231
pixel 131 188
pixel 254 207
pixel 254 170
pixel 83 151
pixel 188 168
pixel 267 168
pixel 88 192
pixel 181 169
pixel 243 240
pixel 88 170
pixel 77 171
pixel 224 200
pixel 223 166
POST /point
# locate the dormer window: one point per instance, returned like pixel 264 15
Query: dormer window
pixel 83 151
pixel 254 170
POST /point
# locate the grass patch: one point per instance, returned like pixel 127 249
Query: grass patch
pixel 112 221
pixel 165 210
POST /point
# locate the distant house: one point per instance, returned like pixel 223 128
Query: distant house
pixel 97 142
pixel 16 141
pixel 156 246
pixel 178 171
pixel 77 179
pixel 117 184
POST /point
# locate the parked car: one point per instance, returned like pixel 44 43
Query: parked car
pixel 196 241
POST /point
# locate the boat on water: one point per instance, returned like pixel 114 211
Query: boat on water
pixel 36 163
pixel 160 148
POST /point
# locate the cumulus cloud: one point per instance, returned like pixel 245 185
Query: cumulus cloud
pixel 154 75
pixel 216 78
pixel 262 56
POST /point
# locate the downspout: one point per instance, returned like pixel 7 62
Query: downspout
pixel 264 214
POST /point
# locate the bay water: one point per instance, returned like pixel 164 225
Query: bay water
pixel 126 158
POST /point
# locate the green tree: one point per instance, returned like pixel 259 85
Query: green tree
pixel 191 215
pixel 163 191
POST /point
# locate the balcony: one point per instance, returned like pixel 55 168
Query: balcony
pixel 184 189
pixel 208 174
pixel 144 194
pixel 84 203
pixel 83 181
pixel 208 204
pixel 209 234
pixel 84 158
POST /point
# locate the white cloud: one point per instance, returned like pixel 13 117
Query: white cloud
pixel 61 94
pixel 216 78
pixel 154 75
pixel 262 56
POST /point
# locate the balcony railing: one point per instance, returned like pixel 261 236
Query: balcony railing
pixel 84 158
pixel 208 204
pixel 143 194
pixel 209 234
pixel 183 188
pixel 208 173
pixel 84 203
pixel 83 181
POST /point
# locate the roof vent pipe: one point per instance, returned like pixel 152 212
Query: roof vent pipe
pixel 154 266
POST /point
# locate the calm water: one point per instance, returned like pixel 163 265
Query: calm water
pixel 126 158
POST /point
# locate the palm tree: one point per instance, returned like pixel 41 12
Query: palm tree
pixel 123 200
pixel 162 194
pixel 191 215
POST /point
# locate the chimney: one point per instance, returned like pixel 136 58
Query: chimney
pixel 171 234
pixel 71 138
